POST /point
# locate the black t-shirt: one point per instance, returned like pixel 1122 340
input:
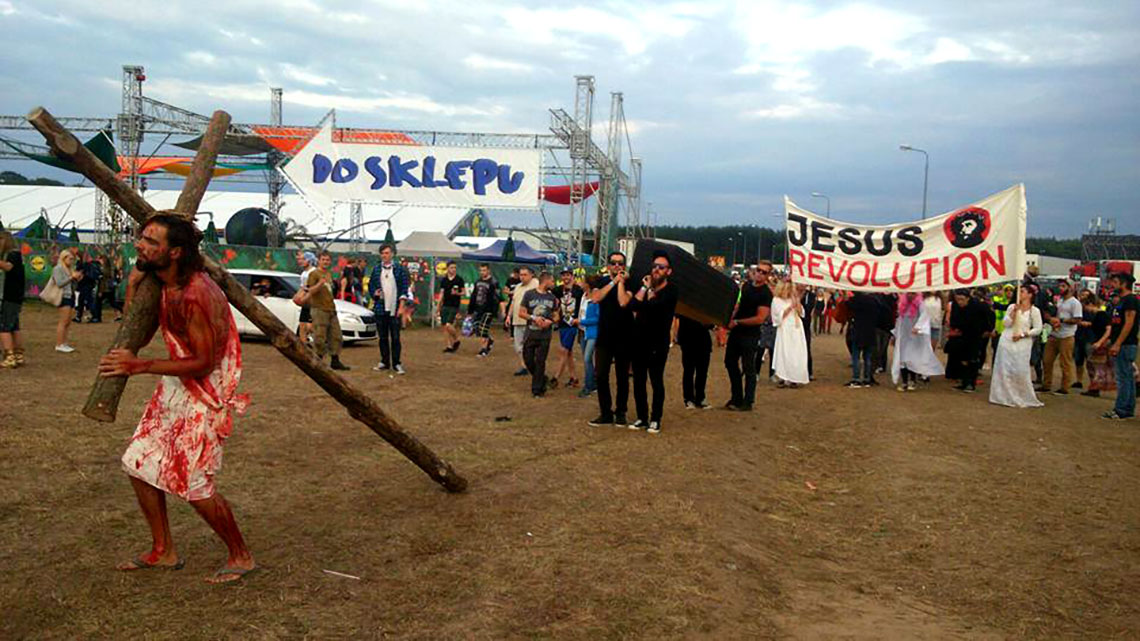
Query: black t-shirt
pixel 1128 303
pixel 539 305
pixel 653 321
pixel 1100 320
pixel 614 321
pixel 691 334
pixel 14 278
pixel 452 289
pixel 484 297
pixel 865 311
pixel 570 300
pixel 752 298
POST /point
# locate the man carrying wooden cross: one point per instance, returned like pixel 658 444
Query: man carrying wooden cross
pixel 177 447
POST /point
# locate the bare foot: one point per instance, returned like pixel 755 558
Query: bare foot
pixel 232 571
pixel 152 559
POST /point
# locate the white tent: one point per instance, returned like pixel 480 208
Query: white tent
pixel 428 243
pixel 20 205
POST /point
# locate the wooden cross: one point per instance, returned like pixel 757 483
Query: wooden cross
pixel 141 318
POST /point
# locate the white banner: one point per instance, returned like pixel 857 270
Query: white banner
pixel 328 172
pixel 979 244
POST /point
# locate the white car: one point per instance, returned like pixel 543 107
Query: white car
pixel 357 323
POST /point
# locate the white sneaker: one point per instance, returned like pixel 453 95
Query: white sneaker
pixel 65 348
pixel 654 427
pixel 910 387
pixel 400 370
pixel 380 367
pixel 689 405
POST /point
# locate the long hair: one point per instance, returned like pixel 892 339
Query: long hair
pixel 183 234
pixel 786 289
pixel 7 243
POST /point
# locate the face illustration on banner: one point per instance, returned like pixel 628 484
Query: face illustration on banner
pixel 968 228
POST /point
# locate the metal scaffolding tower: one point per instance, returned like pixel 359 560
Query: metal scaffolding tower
pixel 580 161
pixel 141 115
pixel 356 239
pixel 276 182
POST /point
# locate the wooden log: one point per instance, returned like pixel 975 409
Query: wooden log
pixel 141 318
pixel 358 404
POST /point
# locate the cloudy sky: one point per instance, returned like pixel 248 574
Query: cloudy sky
pixel 731 104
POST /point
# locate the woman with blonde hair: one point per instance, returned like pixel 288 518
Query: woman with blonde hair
pixel 790 353
pixel 65 275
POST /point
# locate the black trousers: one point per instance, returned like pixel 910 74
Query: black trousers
pixel 740 361
pixel 650 362
pixel 695 371
pixel 388 327
pixel 766 346
pixel 536 347
pixel 605 357
pixel 88 301
pixel 882 340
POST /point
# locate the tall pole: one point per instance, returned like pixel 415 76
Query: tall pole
pixel 925 173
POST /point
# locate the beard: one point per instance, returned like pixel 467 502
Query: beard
pixel 157 264
pixel 657 278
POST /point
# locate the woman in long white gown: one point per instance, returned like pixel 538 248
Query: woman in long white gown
pixel 914 353
pixel 790 353
pixel 1012 382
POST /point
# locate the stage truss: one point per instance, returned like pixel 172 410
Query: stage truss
pixel 143 118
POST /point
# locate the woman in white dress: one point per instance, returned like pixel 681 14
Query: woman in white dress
pixel 790 353
pixel 914 354
pixel 1012 382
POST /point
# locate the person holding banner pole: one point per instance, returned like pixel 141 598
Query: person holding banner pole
pixel 790 354
pixel 1011 384
pixel 914 355
pixel 968 325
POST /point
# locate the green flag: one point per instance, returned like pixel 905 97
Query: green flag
pixel 101 145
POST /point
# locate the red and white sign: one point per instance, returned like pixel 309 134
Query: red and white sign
pixel 978 244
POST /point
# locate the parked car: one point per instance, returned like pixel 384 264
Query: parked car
pixel 275 290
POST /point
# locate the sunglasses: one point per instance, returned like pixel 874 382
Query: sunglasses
pixel 763 272
pixel 660 266
pixel 618 263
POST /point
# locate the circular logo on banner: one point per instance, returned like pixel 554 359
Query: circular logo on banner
pixel 38 263
pixel 967 227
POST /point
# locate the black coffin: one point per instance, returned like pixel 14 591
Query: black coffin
pixel 704 294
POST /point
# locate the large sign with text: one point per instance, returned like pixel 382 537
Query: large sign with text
pixel 978 244
pixel 340 172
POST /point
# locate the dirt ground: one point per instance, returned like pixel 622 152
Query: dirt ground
pixel 827 514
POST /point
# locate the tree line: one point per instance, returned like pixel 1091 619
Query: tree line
pixel 745 243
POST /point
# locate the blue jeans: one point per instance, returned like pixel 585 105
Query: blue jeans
pixel 865 355
pixel 1125 383
pixel 588 383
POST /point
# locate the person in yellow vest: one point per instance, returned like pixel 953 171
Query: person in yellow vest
pixel 1002 300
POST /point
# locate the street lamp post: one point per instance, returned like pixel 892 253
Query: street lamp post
pixel 743 248
pixel 733 256
pixel 925 173
pixel 816 194
pixel 783 234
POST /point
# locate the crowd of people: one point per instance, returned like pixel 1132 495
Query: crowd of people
pixel 84 283
pixel 624 330
pixel 605 326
